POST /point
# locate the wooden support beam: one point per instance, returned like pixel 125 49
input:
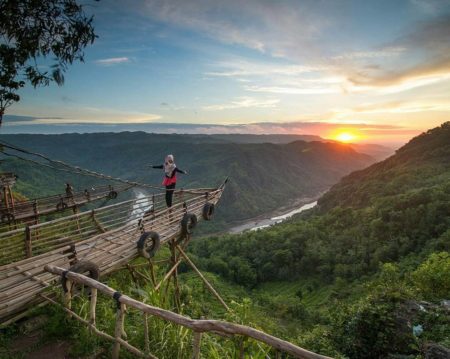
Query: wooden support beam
pixel 208 285
pixel 168 274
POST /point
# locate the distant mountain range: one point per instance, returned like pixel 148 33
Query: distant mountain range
pixel 263 176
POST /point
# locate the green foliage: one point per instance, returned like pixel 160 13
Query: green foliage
pixel 372 328
pixel 351 238
pixel 33 30
pixel 433 276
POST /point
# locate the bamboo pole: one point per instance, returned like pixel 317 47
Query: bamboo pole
pixel 93 306
pixel 68 295
pixel 168 274
pixel 208 285
pixel 146 335
pixel 196 345
pixel 120 316
pixel 28 248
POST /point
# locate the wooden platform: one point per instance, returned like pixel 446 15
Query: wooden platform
pixel 23 210
pixel 22 281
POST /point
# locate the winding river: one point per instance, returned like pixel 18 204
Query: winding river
pixel 254 225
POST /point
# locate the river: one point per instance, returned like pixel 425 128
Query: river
pixel 142 204
pixel 256 224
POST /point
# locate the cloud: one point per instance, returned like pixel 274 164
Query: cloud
pixel 18 119
pixel 386 52
pixel 431 6
pixel 300 34
pixel 299 90
pixel 240 67
pixel 276 28
pixel 112 61
pixel 428 59
pixel 84 115
pixel 243 102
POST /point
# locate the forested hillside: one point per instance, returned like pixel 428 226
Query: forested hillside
pixel 379 239
pixel 262 176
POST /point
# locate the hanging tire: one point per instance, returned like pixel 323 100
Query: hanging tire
pixel 8 217
pixel 148 251
pixel 61 206
pixel 112 195
pixel 81 268
pixel 208 211
pixel 188 224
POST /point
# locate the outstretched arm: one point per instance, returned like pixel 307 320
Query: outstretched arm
pixel 158 166
pixel 180 171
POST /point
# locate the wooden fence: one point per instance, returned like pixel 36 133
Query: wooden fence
pixel 216 327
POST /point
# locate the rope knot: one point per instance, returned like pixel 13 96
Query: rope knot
pixel 116 297
pixel 64 280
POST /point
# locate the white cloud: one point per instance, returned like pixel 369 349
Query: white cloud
pixel 242 67
pixel 386 52
pixel 112 61
pixel 243 102
pixel 294 90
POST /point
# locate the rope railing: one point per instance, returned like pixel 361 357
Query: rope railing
pixel 69 167
pixel 198 326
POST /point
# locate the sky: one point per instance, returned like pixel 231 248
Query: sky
pixel 376 70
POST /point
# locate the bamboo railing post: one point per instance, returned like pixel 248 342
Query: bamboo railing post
pixel 196 345
pixel 93 306
pixel 28 247
pixel 68 295
pixel 241 348
pixel 97 223
pixel 120 316
pixel 146 336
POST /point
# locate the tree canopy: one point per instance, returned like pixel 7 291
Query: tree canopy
pixel 33 30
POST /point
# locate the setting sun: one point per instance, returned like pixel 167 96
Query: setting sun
pixel 345 137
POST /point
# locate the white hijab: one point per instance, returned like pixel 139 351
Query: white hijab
pixel 169 167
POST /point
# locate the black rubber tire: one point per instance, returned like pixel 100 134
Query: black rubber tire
pixel 81 268
pixel 208 211
pixel 150 250
pixel 8 218
pixel 112 195
pixel 61 206
pixel 188 224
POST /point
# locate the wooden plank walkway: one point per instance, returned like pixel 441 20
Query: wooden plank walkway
pixel 22 281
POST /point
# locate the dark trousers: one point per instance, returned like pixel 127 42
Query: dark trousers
pixel 169 194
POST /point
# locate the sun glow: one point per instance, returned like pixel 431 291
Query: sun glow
pixel 345 137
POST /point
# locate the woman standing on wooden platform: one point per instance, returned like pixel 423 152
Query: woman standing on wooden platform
pixel 170 178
